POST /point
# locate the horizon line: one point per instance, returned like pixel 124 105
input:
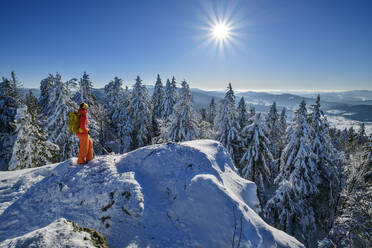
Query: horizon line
pixel 257 90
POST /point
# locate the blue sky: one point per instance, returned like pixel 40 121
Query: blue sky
pixel 278 44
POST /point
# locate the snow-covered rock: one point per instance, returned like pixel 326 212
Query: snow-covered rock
pixel 60 233
pixel 170 195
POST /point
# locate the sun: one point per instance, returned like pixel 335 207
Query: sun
pixel 222 27
pixel 220 31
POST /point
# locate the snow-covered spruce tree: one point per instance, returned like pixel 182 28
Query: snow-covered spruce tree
pixel 8 106
pixel 170 98
pixel 32 103
pixel 205 127
pixel 344 139
pixel 55 115
pixel 139 112
pixel 283 131
pixel 227 125
pixel 6 88
pixel 273 124
pixel 242 113
pixel 328 163
pixel 16 86
pixel 352 138
pixel 124 129
pixel 31 148
pixel 290 209
pixel 202 114
pixel 230 95
pixel 184 125
pixel 212 113
pixel 157 99
pixel 23 143
pixel 206 130
pixel 283 121
pixel 336 137
pixel 118 125
pixel 155 127
pixel 161 136
pixel 252 112
pixel 362 136
pixel 46 86
pixel 257 161
pixel 353 225
pixel 86 94
pixel 8 111
pixel 113 96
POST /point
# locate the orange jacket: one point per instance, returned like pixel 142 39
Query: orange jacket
pixel 83 120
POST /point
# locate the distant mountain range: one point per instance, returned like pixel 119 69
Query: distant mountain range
pixel 354 105
pixel 355 97
pixel 347 104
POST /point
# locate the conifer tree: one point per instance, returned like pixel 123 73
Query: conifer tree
pixel 283 121
pixel 125 129
pixel 290 209
pixel 242 113
pixel 353 225
pixel 202 114
pixel 257 161
pixel 212 111
pixel 8 111
pixel 6 88
pixel 155 128
pixel 327 161
pixel 113 96
pixel 8 106
pixel 282 132
pixel 272 122
pixel 32 103
pixel 351 135
pixel 23 143
pixel 230 95
pixel 205 130
pixel 227 125
pixel 46 86
pixel 30 148
pixel 184 125
pixel 16 86
pixel 251 113
pixel 118 126
pixel 55 114
pixel 157 99
pixel 362 136
pixel 139 112
pixel 344 139
pixel 170 98
pixel 336 137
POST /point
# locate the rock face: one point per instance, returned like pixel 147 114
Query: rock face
pixel 171 195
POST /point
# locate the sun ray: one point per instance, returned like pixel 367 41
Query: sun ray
pixel 222 27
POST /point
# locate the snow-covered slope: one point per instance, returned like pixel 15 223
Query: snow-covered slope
pixel 171 195
pixel 59 234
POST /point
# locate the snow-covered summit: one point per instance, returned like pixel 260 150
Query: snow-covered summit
pixel 170 195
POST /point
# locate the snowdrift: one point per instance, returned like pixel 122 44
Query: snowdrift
pixel 171 195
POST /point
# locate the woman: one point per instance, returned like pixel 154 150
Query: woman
pixel 86 144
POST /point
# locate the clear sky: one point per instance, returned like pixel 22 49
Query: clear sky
pixel 273 45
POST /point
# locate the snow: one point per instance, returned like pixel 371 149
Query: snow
pixel 169 195
pixel 341 122
pixel 59 233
